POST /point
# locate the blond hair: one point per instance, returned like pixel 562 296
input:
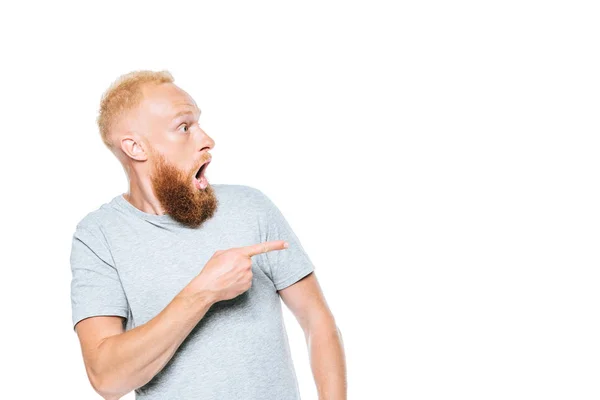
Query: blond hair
pixel 124 94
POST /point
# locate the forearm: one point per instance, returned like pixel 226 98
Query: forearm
pixel 327 361
pixel 131 359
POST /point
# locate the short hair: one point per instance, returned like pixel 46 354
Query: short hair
pixel 124 94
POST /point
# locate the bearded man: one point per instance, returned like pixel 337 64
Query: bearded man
pixel 177 284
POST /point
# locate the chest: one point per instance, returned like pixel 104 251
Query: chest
pixel 154 265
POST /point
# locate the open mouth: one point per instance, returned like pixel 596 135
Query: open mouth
pixel 202 169
pixel 200 181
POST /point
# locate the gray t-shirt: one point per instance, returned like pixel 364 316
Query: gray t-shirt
pixel 131 263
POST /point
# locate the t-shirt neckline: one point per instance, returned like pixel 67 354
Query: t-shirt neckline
pixel 130 208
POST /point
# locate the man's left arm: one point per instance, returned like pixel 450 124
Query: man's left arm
pixel 306 301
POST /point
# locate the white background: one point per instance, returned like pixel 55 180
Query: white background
pixel 438 161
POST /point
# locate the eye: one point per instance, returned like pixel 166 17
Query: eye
pixel 184 128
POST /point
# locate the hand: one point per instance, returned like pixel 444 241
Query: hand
pixel 228 273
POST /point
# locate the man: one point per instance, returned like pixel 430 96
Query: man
pixel 176 284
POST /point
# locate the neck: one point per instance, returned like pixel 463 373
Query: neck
pixel 142 197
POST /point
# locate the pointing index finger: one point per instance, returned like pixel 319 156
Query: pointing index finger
pixel 264 247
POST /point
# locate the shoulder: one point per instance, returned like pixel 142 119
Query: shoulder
pixel 92 223
pixel 242 195
pixel 89 231
pixel 89 240
pixel 228 189
pixel 89 222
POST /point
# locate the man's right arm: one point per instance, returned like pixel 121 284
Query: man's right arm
pixel 118 362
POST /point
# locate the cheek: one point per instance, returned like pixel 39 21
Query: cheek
pixel 183 162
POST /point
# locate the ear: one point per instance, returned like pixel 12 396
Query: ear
pixel 133 147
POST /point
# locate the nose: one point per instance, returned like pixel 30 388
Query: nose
pixel 206 142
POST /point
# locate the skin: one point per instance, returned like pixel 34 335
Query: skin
pixel 162 147
pixel 305 299
pixel 161 154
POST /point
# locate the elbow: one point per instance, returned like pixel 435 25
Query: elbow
pixel 103 386
pixel 104 381
pixel 105 392
pixel 106 396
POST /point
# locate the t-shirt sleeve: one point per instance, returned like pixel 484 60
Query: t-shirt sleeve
pixel 285 266
pixel 95 286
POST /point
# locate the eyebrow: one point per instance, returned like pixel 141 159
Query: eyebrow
pixel 185 112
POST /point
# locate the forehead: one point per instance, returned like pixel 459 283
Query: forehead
pixel 166 100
